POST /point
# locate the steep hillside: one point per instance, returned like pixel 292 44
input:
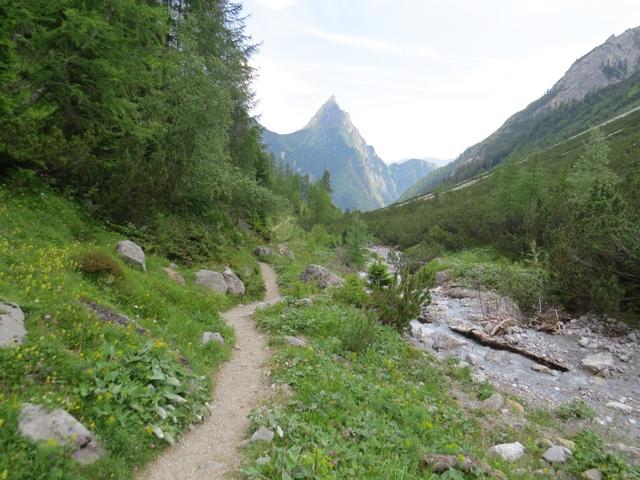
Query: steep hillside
pixel 600 85
pixel 360 179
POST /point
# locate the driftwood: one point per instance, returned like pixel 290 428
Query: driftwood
pixel 463 463
pixel 483 338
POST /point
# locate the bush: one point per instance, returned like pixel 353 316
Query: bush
pixel 352 292
pixel 358 332
pixel 400 302
pixel 97 261
pixel 575 410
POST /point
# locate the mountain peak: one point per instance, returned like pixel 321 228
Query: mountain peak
pixel 329 114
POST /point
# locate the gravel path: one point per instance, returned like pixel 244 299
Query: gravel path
pixel 211 450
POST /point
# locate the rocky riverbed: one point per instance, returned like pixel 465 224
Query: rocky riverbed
pixel 602 356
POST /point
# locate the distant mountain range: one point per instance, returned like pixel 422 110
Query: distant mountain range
pixel 600 85
pixel 359 178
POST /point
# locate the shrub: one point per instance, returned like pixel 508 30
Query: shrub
pixel 574 410
pixel 358 332
pixel 352 292
pixel 400 302
pixel 97 261
pixel 379 275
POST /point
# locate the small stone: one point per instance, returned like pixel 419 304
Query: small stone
pixel 173 275
pixel 598 363
pixel 541 368
pixel 263 434
pixel 296 341
pixel 263 251
pixel 472 359
pixel 208 337
pixel 620 406
pixel 513 405
pixel 565 442
pixel 583 342
pixel 479 377
pixel 557 454
pixel 12 330
pixel 132 254
pixel 593 474
pixel 508 451
pixel 47 318
pixel 442 341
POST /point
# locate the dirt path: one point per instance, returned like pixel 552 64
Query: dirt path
pixel 211 450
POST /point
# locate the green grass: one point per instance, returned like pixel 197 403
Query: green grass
pixel 100 372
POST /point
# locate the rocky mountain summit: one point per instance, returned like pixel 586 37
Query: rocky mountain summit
pixel 360 179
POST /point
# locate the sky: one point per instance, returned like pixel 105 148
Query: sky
pixel 420 78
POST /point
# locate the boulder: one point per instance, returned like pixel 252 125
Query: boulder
pixel 262 251
pixel 38 423
pixel 442 277
pixel 442 341
pixel 507 451
pixel 208 337
pixel 132 254
pixel 493 403
pixel 234 284
pixel 599 363
pixel 214 281
pixel 173 275
pixel 557 454
pixel 296 341
pixel 321 276
pixel 12 331
pixel 285 251
pixel 593 474
pixel 263 434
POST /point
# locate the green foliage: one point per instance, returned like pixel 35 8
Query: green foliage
pixel 352 292
pixel 589 453
pixel 577 409
pixel 400 302
pixel 145 389
pixel 357 332
pixel 378 275
pixel 99 261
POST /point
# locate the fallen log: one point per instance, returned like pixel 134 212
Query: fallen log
pixel 484 339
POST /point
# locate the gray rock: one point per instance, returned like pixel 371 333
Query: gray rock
pixel 583 342
pixel 173 275
pixel 507 451
pixel 132 254
pixel 109 316
pixel 285 251
pixel 296 341
pixel 593 474
pixel 472 359
pixel 598 363
pixel 263 251
pixel 632 452
pixel 541 368
pixel 263 434
pixel 442 341
pixel 478 377
pixel 321 276
pixel 494 356
pixel 208 337
pixel 12 330
pixel 212 280
pixel 37 423
pixel 620 406
pixel 234 284
pixel 557 454
pixel 442 277
pixel 493 403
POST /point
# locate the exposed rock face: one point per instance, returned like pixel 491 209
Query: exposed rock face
pixel 173 275
pixel 324 278
pixel 37 423
pixel 214 281
pixel 208 337
pixel 132 254
pixel 12 331
pixel 508 451
pixel 599 363
pixel 234 284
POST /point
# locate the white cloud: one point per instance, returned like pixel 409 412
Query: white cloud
pixel 277 4
pixel 373 44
